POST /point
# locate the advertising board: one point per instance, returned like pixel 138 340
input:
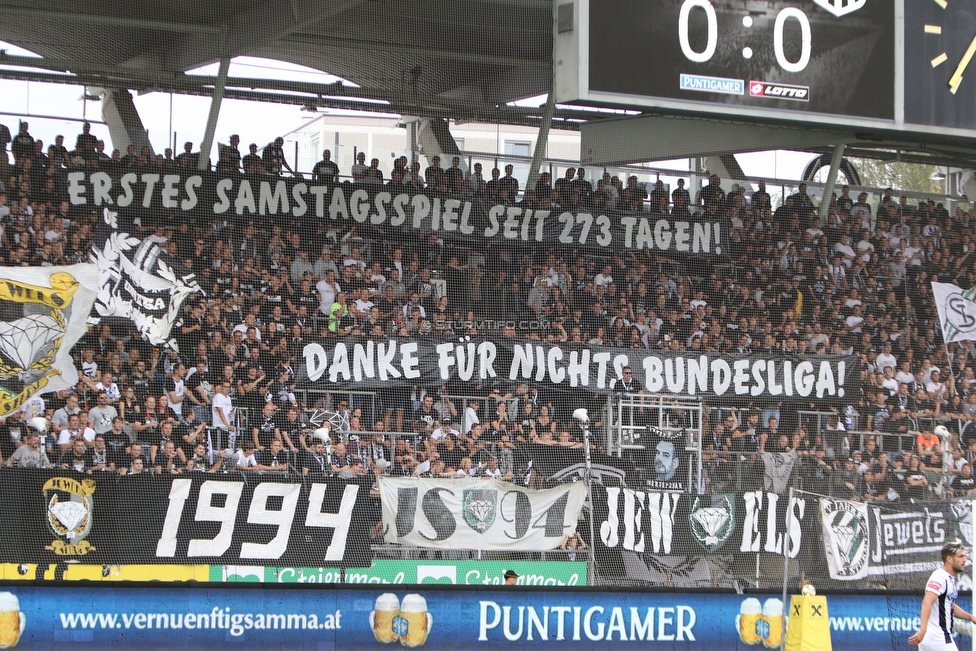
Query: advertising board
pixel 337 618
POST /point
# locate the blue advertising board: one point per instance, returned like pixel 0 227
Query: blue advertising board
pixel 337 618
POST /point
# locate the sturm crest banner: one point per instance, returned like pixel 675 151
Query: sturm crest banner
pixel 138 281
pixel 478 513
pixel 846 540
pixel 957 311
pixel 51 305
pixel 862 540
pixel 387 209
pixel 367 363
pixel 65 516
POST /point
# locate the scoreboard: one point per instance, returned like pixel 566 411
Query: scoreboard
pixel 896 65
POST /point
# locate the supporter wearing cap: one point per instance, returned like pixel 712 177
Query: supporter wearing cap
pixel 511 577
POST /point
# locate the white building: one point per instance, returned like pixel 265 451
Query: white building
pixel 387 138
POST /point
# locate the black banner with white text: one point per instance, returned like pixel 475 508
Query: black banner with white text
pixel 386 209
pixel 194 518
pixel 366 363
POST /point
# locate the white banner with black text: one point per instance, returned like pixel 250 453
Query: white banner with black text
pixel 478 513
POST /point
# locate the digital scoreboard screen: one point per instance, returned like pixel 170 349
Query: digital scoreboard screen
pixel 832 57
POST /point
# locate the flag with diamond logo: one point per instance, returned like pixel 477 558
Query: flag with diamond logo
pixel 46 310
pixel 846 541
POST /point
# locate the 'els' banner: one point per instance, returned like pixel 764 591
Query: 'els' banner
pixel 478 513
pixel 145 519
pixel 660 524
pixel 388 209
pixel 367 363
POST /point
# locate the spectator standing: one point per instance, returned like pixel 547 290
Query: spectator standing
pixel 100 417
pixel 222 411
pixel 274 158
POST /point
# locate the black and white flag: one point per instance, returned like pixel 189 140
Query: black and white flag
pixel 138 281
pixel 957 311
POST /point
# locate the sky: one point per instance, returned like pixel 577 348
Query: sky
pixel 163 114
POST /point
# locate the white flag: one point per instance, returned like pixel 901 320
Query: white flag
pixel 957 311
pixel 50 306
pixel 845 538
pixel 139 281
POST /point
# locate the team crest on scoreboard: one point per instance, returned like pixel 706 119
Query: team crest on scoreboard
pixel 712 524
pixel 70 513
pixel 478 507
pixel 841 8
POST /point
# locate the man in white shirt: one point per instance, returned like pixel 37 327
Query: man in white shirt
pixel 865 248
pixel 886 359
pixel 359 167
pixel 854 321
pixel 222 411
pixel 108 385
pixel 471 416
pixel 328 289
pixel 888 380
pixel 935 387
pixel 244 459
pixel 844 248
pixel 939 604
pixel 363 304
pixel 603 278
pixel 441 433
pixel 73 432
pixel 904 375
pixel 175 390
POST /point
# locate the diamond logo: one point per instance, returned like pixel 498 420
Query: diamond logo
pixel 712 525
pixel 841 8
pixel 22 341
pixel 69 514
pixel 845 526
pixel 479 506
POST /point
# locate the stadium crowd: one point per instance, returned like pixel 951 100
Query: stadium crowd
pixel 855 284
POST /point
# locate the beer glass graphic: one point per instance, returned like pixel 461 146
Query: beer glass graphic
pixel 747 621
pixel 387 609
pixel 415 622
pixel 12 621
pixel 773 615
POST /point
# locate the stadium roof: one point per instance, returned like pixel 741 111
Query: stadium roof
pixel 447 58
pixel 461 59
